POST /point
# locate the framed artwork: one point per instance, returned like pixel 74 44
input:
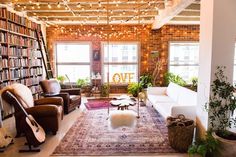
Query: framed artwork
pixel 96 55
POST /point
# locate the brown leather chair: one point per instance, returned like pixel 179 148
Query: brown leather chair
pixel 71 97
pixel 48 112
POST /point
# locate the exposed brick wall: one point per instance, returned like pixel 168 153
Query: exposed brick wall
pixel 150 40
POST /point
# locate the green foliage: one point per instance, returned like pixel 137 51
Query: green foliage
pixel 134 88
pixel 82 82
pixel 104 90
pixel 221 103
pixel 194 81
pixel 146 81
pixel 61 78
pixel 170 77
pixel 204 147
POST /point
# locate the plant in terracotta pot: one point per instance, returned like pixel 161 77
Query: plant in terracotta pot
pixel 221 105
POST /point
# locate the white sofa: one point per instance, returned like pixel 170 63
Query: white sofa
pixel 173 100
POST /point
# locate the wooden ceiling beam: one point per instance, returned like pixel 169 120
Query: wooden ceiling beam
pixel 168 13
pixel 74 7
pixel 81 1
pixel 90 14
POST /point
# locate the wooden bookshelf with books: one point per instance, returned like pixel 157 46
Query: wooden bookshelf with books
pixel 20 58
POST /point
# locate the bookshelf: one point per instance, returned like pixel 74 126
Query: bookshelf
pixel 20 58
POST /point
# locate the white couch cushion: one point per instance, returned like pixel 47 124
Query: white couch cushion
pixel 164 109
pixel 160 98
pixel 187 97
pixel 173 91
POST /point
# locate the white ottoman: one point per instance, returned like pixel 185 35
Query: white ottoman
pixel 118 118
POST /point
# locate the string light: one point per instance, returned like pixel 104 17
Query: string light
pixel 49 6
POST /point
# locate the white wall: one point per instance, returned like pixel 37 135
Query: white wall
pixel 217 38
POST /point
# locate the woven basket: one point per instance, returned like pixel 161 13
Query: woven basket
pixel 180 136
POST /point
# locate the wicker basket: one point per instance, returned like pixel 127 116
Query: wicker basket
pixel 180 133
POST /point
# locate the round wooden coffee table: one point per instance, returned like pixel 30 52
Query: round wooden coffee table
pixel 122 104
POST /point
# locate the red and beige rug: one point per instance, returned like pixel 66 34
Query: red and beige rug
pixel 98 103
pixel 91 135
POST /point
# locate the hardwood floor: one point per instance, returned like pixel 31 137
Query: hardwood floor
pixel 52 140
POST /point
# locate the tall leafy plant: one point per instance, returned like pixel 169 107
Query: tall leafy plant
pixel 145 81
pixel 222 102
pixel 170 77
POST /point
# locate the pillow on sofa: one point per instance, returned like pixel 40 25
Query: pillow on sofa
pixel 173 91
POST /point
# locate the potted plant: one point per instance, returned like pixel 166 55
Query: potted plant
pixel 170 77
pixel 204 147
pixel 221 105
pixel 61 79
pixel 104 90
pixel 82 82
pixel 145 81
pixel 134 88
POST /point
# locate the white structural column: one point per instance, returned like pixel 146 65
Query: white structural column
pixel 217 41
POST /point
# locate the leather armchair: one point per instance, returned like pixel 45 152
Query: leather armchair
pixel 48 112
pixel 71 97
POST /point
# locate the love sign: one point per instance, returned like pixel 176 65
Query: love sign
pixel 122 77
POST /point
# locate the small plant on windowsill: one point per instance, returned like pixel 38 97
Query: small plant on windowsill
pixel 61 79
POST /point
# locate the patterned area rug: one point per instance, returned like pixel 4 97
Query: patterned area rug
pixel 91 135
pixel 99 103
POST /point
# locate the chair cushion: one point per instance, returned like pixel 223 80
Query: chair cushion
pixel 50 86
pixel 74 98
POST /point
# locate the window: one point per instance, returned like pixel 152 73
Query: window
pixel 121 61
pixel 73 59
pixel 184 59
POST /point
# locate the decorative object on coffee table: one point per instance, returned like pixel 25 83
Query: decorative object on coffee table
pixel 122 102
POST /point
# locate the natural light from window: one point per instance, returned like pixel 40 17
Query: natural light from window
pixel 184 59
pixel 73 59
pixel 121 59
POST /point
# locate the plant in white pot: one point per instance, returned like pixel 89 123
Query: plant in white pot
pixel 221 106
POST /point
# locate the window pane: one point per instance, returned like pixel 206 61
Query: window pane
pixel 184 53
pixel 184 60
pixel 71 52
pixel 119 53
pixel 74 72
pixel 121 73
pixel 186 72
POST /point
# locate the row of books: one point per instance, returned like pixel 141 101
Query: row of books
pixel 23 73
pixel 17 40
pixel 22 30
pixel 3 50
pixel 35 62
pixel 4 84
pixel 36 71
pixel 4 63
pixel 15 51
pixel 22 20
pixel 3 12
pixel 35 54
pixel 33 43
pixel 3 24
pixel 14 74
pixel 3 37
pixel 4 75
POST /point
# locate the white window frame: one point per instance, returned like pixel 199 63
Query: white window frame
pixel 73 63
pixel 121 63
pixel 169 45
